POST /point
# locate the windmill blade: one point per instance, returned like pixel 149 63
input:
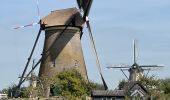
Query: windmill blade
pixel 29 59
pixel 119 66
pixel 116 67
pixel 95 54
pixel 134 52
pixel 152 66
pixel 28 25
pixel 16 92
pixel 125 69
pixel 38 10
pixel 104 83
pixel 30 72
pixel 79 2
pixel 85 5
pixel 124 74
pixel 146 69
pixel 150 69
pixel 32 24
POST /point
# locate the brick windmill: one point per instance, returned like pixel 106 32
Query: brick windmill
pixel 62 46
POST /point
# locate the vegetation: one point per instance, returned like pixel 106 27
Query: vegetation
pixel 10 90
pixel 122 84
pixel 159 89
pixel 68 84
pixel 71 84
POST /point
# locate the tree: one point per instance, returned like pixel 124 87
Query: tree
pixel 23 92
pixel 122 84
pixel 11 90
pixel 68 84
pixel 5 91
pixel 152 85
pixel 165 85
pixel 71 84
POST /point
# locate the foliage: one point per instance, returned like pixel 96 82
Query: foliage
pixel 11 90
pixel 68 84
pixel 158 89
pixel 165 85
pixel 71 84
pixel 5 91
pixel 122 84
pixel 150 83
pixel 25 92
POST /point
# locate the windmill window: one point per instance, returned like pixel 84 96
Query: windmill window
pixel 76 64
pixel 113 98
pixel 104 98
pixel 53 63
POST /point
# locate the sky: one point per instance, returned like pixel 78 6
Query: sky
pixel 114 23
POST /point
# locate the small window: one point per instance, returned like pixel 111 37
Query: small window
pixel 104 98
pixel 52 64
pixel 113 98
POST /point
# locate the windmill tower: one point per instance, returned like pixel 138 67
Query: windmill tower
pixel 136 71
pixel 62 46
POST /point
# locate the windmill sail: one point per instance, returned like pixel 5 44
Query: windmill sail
pixel 152 66
pixel 85 5
pixel 134 51
pixel 95 54
pixel 32 24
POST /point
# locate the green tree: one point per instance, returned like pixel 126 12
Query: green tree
pixel 24 92
pixel 11 90
pixel 71 84
pixel 165 85
pixel 5 91
pixel 152 85
pixel 122 84
pixel 159 89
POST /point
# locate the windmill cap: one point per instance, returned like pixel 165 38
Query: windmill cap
pixel 70 16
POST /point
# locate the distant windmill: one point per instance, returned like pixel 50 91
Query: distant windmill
pixel 135 70
pixel 62 46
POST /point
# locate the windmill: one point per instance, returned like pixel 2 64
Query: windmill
pixel 135 70
pixel 62 45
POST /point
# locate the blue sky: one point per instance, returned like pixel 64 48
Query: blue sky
pixel 114 24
